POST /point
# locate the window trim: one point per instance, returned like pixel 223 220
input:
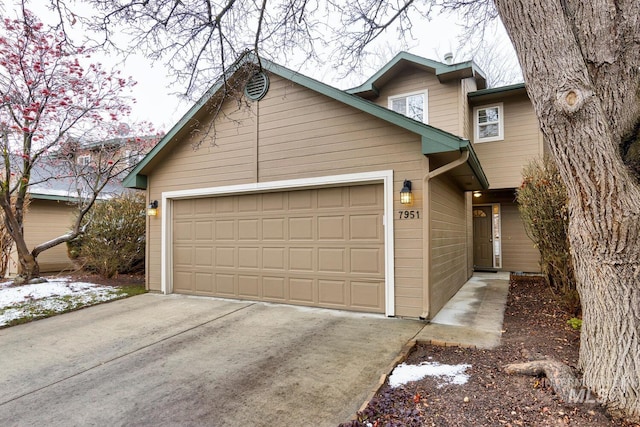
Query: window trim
pixel 84 159
pixel 425 95
pixel 476 124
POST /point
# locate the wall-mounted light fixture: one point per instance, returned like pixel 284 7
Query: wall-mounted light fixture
pixel 406 197
pixel 152 209
pixel 477 194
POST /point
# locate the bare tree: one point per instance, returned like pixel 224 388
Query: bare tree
pixel 581 63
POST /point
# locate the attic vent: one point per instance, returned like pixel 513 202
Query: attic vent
pixel 257 86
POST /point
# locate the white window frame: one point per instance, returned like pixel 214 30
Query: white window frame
pixel 425 96
pixel 476 123
pixel 84 159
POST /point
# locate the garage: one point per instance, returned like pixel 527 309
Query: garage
pixel 321 247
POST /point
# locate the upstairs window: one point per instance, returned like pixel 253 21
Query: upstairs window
pixel 489 123
pixel 84 160
pixel 412 105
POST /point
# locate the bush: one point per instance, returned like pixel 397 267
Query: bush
pixel 542 200
pixel 114 241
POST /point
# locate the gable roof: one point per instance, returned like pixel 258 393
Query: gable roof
pixel 444 73
pixel 434 140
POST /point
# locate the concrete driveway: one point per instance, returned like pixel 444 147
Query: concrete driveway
pixel 172 360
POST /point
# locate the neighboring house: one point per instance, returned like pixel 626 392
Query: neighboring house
pixel 54 196
pixel 297 198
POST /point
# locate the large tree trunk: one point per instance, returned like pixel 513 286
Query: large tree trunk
pixel 581 63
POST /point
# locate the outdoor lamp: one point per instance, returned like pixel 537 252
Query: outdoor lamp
pixel 152 209
pixel 406 197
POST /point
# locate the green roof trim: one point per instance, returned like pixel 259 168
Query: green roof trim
pixel 493 90
pixel 54 197
pixel 440 69
pixel 434 140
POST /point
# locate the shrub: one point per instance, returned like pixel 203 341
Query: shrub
pixel 542 200
pixel 114 240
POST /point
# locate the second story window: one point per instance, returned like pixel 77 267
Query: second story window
pixel 84 160
pixel 489 123
pixel 413 105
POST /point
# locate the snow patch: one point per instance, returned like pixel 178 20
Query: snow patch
pixel 448 374
pixel 56 295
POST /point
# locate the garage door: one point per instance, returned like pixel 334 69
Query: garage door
pixel 319 247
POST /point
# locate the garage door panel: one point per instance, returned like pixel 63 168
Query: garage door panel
pixel 204 230
pixel 318 247
pixel 183 256
pixel 301 259
pixel 332 292
pixel 302 291
pixel 225 285
pixel 301 228
pixel 331 228
pixel 248 229
pixel 183 281
pixel 273 288
pixel 225 230
pixel 203 256
pixel 204 282
pixel 273 229
pixel 366 260
pixel 364 196
pixel 183 231
pixel 249 257
pixel 366 295
pixel 365 227
pixel 249 286
pixel 225 257
pixel 331 260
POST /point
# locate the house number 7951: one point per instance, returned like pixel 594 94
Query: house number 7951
pixel 408 214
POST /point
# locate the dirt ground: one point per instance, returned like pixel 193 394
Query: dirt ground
pixel 533 322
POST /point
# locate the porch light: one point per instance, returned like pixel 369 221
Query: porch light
pixel 406 197
pixel 152 209
pixel 477 194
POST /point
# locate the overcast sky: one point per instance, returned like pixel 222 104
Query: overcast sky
pixel 158 104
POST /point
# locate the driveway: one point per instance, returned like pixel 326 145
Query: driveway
pixel 174 360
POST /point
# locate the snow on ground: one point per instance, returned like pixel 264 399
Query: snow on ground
pixel 448 374
pixel 56 295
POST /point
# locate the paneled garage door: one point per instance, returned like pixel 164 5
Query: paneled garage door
pixel 320 247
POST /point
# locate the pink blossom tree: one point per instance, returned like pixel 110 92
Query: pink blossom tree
pixel 50 103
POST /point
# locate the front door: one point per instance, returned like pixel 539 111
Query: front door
pixel 482 241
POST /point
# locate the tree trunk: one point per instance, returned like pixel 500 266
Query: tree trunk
pixel 581 63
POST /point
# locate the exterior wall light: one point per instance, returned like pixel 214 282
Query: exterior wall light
pixel 406 197
pixel 477 194
pixel 152 209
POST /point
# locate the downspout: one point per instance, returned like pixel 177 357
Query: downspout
pixel 426 228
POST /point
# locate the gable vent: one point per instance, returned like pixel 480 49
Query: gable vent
pixel 257 86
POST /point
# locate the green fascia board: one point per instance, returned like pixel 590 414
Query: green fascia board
pixel 439 69
pixel 53 197
pixel 475 165
pixel 493 90
pixel 436 140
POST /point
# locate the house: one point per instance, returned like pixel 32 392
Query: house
pixel 292 193
pixel 54 193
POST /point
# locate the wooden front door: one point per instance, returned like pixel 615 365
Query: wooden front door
pixel 482 240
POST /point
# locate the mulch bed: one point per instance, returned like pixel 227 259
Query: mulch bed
pixel 534 322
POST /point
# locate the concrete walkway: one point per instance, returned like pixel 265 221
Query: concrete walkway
pixel 474 316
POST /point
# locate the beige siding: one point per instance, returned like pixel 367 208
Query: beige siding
pixel 449 253
pixel 297 133
pixel 443 98
pixel 466 130
pixel 518 251
pixel 502 161
pixel 45 220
